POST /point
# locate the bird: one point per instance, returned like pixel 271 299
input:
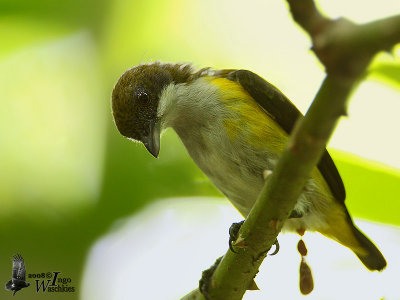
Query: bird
pixel 18 275
pixel 234 125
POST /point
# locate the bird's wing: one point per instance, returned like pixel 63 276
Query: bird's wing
pixel 19 271
pixel 283 111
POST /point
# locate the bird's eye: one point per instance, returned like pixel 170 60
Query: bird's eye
pixel 143 97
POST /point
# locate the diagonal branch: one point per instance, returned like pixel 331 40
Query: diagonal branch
pixel 345 49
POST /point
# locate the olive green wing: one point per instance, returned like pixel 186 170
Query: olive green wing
pixel 283 111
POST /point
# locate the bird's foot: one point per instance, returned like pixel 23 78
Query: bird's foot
pixel 206 276
pixel 233 236
pixel 277 247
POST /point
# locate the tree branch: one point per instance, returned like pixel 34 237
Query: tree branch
pixel 345 49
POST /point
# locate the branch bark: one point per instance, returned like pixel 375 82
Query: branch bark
pixel 345 49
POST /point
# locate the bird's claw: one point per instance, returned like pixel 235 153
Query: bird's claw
pixel 277 247
pixel 233 234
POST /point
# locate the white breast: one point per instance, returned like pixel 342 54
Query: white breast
pixel 234 167
pixel 197 115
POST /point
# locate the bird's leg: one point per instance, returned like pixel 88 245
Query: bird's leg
pixel 233 236
pixel 205 281
pixel 235 227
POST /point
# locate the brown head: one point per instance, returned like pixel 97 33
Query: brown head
pixel 136 96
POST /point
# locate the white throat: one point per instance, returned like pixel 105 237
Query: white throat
pixel 188 105
pixel 166 110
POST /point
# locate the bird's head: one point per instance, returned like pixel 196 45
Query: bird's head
pixel 135 100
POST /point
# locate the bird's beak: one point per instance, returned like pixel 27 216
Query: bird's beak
pixel 152 140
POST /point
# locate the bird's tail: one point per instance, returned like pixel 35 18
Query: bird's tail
pixel 342 229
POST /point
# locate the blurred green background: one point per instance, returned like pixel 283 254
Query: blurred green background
pixel 67 175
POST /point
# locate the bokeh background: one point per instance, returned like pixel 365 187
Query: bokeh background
pixel 71 186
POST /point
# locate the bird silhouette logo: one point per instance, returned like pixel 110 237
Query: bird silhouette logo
pixel 18 275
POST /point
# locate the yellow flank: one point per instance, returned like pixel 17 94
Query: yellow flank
pixel 231 129
pixel 251 123
pixel 248 120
